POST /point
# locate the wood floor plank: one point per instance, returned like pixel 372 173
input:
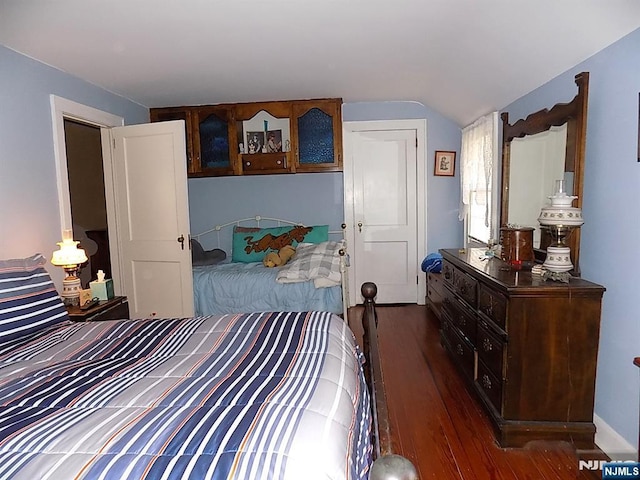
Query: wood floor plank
pixel 437 419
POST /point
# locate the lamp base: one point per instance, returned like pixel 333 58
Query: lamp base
pixel 71 288
pixel 558 259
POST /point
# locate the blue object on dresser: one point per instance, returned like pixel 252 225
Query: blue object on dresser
pixel 432 263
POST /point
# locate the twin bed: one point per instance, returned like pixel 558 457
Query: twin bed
pixel 235 279
pixel 267 395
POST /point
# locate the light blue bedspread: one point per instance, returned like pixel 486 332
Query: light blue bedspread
pixel 251 287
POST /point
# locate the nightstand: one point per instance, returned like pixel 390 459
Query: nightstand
pixel 116 308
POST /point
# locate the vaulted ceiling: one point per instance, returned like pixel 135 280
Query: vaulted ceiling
pixel 462 58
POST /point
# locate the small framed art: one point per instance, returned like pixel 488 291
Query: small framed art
pixel 445 163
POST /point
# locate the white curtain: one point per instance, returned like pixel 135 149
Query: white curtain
pixel 476 160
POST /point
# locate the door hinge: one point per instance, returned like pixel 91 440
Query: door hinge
pixel 114 143
pixel 416 142
pixel 417 279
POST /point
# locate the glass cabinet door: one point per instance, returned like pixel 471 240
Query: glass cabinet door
pixel 318 125
pixel 213 150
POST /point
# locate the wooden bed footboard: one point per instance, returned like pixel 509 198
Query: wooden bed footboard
pixel 387 465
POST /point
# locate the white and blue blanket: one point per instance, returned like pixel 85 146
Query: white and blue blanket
pixel 252 396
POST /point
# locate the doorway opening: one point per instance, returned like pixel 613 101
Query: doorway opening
pixel 87 196
pixel 64 110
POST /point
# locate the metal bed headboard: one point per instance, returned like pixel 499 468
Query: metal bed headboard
pixel 255 222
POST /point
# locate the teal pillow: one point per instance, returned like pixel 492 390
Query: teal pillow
pixel 251 244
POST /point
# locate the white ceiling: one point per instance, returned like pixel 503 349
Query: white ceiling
pixel 462 58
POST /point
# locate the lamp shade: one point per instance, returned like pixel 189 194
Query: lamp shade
pixel 69 254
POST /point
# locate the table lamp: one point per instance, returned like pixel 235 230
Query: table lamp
pixel 560 219
pixel 69 257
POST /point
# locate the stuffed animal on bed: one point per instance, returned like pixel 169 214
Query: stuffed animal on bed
pixel 279 258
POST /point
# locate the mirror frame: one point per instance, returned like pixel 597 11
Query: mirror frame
pixel 574 114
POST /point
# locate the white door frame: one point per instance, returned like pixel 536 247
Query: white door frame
pixel 61 109
pixel 420 126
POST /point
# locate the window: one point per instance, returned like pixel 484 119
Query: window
pixel 479 200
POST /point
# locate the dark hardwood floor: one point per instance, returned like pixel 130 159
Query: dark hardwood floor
pixel 438 423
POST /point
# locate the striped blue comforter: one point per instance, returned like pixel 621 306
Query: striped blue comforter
pixel 252 396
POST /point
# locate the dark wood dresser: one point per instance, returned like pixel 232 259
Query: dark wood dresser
pixel 435 292
pixel 527 347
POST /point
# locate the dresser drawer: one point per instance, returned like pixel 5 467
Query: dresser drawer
pixel 466 286
pixel 434 283
pixel 490 349
pixel 493 305
pixel 447 272
pixel 460 316
pixel 459 348
pixel 435 291
pixel 488 383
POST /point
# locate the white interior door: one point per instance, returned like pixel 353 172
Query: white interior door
pixel 152 218
pixel 385 216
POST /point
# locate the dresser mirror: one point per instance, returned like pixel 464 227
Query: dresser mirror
pixel 546 146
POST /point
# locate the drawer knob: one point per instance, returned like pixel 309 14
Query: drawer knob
pixel 486 344
pixel 279 162
pixel 248 164
pixel 486 381
pixel 459 349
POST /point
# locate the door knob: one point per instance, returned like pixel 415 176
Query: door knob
pixel 360 226
pixel 181 241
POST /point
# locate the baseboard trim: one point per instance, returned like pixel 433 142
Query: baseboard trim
pixel 612 443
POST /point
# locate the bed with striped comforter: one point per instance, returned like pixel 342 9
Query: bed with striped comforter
pixel 251 396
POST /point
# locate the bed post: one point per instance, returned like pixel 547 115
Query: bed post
pixel 387 465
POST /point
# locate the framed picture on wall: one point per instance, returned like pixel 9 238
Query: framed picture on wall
pixel 445 163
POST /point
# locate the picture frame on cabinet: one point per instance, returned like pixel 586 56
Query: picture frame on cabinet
pixel 263 122
pixel 274 141
pixel 445 163
pixel 255 142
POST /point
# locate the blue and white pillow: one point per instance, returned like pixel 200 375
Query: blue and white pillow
pixel 432 263
pixel 29 301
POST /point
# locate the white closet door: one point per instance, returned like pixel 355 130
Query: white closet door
pixel 383 197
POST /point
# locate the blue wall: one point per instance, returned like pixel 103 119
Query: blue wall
pixel 29 212
pixel 310 198
pixel 609 241
pixel 443 193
